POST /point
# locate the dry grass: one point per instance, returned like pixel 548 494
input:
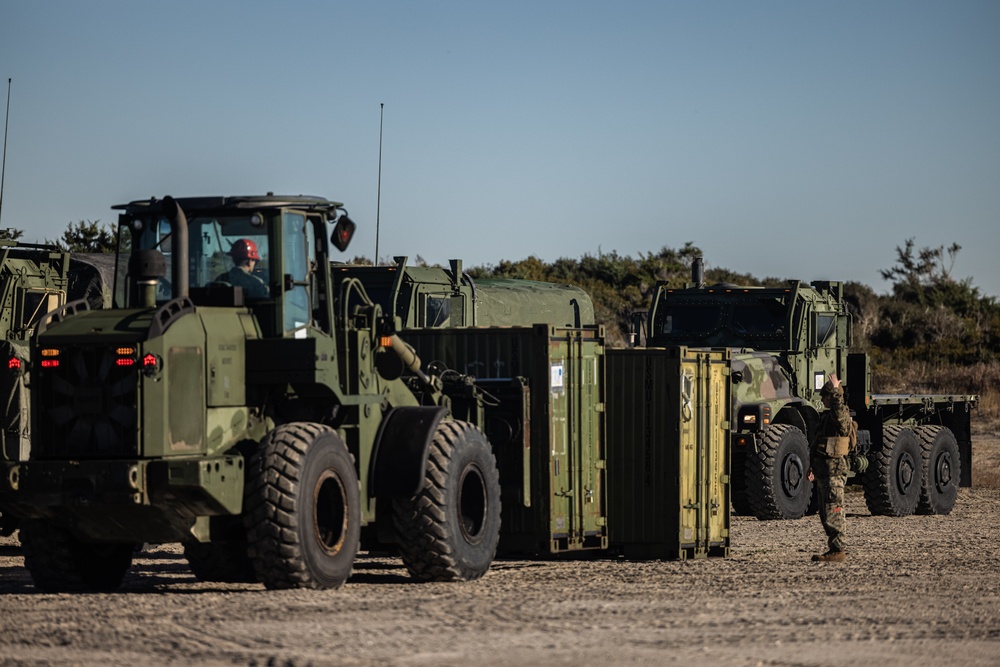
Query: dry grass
pixel 982 379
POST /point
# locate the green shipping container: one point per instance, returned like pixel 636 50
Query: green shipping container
pixel 668 418
pixel 546 426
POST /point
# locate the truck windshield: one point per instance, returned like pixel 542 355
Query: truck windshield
pixel 688 320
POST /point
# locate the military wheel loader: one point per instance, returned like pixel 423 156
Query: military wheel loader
pixel 267 430
pixel 914 451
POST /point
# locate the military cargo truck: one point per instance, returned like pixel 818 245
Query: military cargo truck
pixel 914 451
pixel 236 399
pixel 33 281
pixel 434 297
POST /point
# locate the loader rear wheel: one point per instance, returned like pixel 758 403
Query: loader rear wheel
pixel 226 562
pixel 59 562
pixel 893 479
pixel 942 468
pixel 302 508
pixel 776 475
pixel 449 531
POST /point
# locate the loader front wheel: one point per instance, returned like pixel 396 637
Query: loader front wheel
pixel 302 508
pixel 450 529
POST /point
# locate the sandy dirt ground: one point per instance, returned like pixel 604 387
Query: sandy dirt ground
pixel 922 590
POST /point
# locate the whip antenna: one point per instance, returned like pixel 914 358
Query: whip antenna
pixel 378 202
pixel 3 170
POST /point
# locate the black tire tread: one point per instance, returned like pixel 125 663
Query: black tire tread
pixel 927 434
pixel 421 521
pixel 272 524
pixel 759 471
pixel 877 480
pixel 225 562
pixel 58 563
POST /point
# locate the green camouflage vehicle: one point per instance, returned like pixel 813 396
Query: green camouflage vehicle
pixel 913 451
pixel 434 297
pixel 33 281
pixel 237 399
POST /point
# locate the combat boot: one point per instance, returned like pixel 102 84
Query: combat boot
pixel 830 557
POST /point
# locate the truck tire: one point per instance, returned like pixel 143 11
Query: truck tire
pixel 302 508
pixel 777 485
pixel 942 469
pixel 449 531
pixel 892 480
pixel 61 563
pixel 738 486
pixel 226 562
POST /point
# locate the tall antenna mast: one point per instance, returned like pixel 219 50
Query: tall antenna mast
pixel 3 170
pixel 378 203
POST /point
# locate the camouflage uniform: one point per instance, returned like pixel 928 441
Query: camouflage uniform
pixel 831 472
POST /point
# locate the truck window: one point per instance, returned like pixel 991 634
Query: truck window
pixel 825 326
pixel 689 320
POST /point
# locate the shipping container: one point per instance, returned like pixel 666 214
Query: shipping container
pixel 668 412
pixel 545 420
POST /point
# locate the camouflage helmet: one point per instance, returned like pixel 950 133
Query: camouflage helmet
pixel 827 389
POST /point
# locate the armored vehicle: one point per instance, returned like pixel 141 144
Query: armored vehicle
pixel 237 399
pixel 434 297
pixel 913 451
pixel 33 281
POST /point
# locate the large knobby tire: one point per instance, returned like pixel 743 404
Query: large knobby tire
pixel 892 481
pixel 449 531
pixel 942 470
pixel 738 486
pixel 302 508
pixel 227 562
pixel 777 483
pixel 59 562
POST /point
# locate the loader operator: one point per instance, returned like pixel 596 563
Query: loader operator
pixel 828 467
pixel 245 258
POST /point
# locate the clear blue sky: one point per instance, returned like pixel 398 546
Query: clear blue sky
pixel 792 139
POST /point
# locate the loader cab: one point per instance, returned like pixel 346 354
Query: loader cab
pixel 259 253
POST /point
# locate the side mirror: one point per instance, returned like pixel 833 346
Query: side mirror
pixel 343 232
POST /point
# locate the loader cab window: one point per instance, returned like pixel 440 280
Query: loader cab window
pixel 217 247
pixel 298 243
pixel 35 303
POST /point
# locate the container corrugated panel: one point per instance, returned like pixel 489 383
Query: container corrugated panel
pixel 546 427
pixel 668 413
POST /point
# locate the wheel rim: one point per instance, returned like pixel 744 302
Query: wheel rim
pixel 330 513
pixel 905 473
pixel 942 472
pixel 472 504
pixel 792 474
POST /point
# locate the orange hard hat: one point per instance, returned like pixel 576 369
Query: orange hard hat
pixel 244 249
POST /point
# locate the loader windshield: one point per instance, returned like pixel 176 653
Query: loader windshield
pixel 217 247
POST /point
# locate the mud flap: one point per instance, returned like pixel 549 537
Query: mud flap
pixel 401 450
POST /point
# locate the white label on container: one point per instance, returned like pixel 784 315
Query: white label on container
pixel 557 376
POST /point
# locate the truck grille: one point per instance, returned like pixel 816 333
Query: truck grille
pixel 86 407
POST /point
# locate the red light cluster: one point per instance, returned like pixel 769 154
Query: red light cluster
pixel 14 364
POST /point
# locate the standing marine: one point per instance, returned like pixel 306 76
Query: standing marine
pixel 829 467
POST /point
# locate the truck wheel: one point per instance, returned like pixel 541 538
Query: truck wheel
pixel 738 486
pixel 892 481
pixel 942 468
pixel 776 475
pixel 449 531
pixel 226 562
pixel 302 508
pixel 59 562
